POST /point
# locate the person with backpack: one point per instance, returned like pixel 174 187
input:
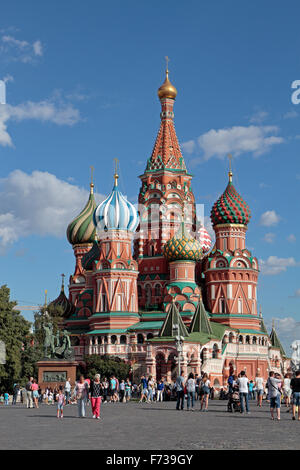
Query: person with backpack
pixel 274 394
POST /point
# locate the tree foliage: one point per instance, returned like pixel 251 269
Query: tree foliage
pixel 106 366
pixel 15 333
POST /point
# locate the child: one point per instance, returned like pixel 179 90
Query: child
pixel 61 401
pixel 6 398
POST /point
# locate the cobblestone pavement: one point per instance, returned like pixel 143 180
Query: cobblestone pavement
pixel 147 426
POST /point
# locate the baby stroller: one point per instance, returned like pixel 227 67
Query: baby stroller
pixel 234 400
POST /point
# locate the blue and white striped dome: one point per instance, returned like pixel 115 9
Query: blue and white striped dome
pixel 116 213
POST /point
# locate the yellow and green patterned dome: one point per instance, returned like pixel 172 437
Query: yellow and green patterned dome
pixel 182 247
pixel 82 228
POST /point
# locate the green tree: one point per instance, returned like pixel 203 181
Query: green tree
pixel 106 366
pixel 14 332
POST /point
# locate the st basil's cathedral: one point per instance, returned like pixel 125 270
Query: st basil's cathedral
pixel 145 279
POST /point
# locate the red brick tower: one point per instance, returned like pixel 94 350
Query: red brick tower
pixel 166 187
pixel 230 269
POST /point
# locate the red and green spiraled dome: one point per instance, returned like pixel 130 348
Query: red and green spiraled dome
pixel 182 247
pixel 230 208
pixel 82 229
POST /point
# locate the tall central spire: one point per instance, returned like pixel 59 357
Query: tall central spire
pixel 166 153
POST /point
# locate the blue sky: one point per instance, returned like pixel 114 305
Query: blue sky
pixel 81 87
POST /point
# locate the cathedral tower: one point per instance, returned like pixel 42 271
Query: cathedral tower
pixel 166 187
pixel 230 269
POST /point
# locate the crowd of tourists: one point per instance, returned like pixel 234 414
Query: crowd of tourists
pixel 192 389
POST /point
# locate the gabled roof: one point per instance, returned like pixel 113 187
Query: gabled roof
pixel 173 318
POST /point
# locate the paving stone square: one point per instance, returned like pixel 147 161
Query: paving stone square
pixel 157 426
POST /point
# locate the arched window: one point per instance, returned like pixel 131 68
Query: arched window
pixel 247 339
pixel 157 290
pixel 231 337
pixel 123 339
pixel 140 338
pixel 149 336
pixel 215 351
pixel 148 294
pixel 240 305
pixel 241 340
pixel 99 339
pixel 113 339
pixel 222 305
pixel 254 340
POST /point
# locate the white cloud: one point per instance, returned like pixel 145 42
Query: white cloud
pixel 238 140
pixel 37 204
pixel 189 146
pixel 37 48
pixel 290 115
pixel 259 117
pixel 269 218
pixel 20 50
pixel 291 238
pixel 59 113
pixel 274 265
pixel 269 237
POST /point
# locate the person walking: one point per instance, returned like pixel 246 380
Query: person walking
pixel 68 391
pixel 274 394
pixel 35 393
pixel 82 393
pixel 127 390
pixel 61 401
pixel 243 382
pixel 113 389
pixel 105 389
pixel 205 391
pixel 160 390
pixel 287 391
pixel 150 389
pixel 122 391
pixel 251 395
pixel 179 386
pixel 15 393
pixel 190 390
pixel 144 389
pixel 6 398
pixel 29 402
pixel 259 385
pixel 96 398
pixel 295 386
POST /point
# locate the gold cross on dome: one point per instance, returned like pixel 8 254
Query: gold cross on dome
pixel 167 62
pixel 230 160
pixel 92 173
pixel 63 278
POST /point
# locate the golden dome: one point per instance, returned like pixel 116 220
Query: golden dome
pixel 167 90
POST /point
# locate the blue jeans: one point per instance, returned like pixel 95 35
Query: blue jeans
pixel 190 397
pixel 244 396
pixel 296 398
pixel 180 398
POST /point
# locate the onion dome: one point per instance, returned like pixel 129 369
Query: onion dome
pixel 167 90
pixel 182 247
pixel 204 239
pixel 63 302
pixel 87 261
pixel 230 208
pixel 116 212
pixel 82 228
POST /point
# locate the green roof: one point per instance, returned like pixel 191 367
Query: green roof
pixel 146 325
pixel 173 318
pixel 100 332
pixel 200 322
pixel 276 343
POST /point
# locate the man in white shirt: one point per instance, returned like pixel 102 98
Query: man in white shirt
pixel 242 382
pixel 259 383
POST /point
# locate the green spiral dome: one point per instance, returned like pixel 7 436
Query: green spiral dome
pixel 82 228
